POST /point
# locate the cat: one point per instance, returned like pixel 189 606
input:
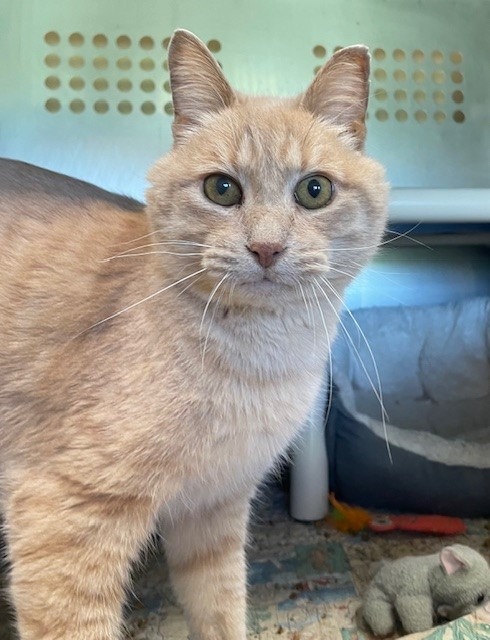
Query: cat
pixel 156 360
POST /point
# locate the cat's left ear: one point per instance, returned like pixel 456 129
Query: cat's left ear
pixel 339 93
pixel 197 82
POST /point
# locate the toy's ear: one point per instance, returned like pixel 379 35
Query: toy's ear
pixel 453 559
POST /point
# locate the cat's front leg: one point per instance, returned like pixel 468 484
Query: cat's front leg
pixel 70 550
pixel 206 557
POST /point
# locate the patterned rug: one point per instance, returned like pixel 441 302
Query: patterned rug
pixel 305 581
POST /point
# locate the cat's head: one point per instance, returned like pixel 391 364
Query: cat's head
pixel 276 194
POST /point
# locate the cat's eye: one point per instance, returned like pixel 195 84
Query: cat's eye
pixel 222 190
pixel 313 192
pixel 480 599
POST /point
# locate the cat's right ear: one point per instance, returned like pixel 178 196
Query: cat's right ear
pixel 197 83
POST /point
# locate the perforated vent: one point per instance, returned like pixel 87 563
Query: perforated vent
pixel 417 85
pixel 124 74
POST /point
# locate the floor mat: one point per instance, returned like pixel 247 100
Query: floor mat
pixel 304 581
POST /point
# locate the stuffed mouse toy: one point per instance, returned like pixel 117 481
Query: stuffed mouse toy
pixel 420 591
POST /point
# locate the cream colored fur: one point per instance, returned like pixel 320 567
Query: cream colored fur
pixel 133 391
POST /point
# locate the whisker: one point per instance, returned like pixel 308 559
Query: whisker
pixel 405 235
pixel 377 392
pixel 149 253
pixel 309 312
pixel 135 304
pixel 330 365
pixel 186 243
pixel 147 235
pixel 215 289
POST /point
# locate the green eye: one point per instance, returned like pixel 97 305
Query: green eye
pixel 222 190
pixel 313 192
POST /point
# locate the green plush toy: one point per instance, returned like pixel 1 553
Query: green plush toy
pixel 419 591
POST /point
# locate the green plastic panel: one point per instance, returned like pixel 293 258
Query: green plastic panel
pixel 85 84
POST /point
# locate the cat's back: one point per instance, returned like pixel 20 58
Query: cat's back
pixel 30 191
pixel 56 234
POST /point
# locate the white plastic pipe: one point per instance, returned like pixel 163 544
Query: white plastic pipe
pixel 439 205
pixel 309 469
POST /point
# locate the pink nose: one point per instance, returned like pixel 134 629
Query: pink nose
pixel 266 253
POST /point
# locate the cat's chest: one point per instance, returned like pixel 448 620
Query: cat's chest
pixel 250 413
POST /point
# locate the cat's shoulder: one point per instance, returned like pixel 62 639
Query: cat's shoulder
pixel 29 190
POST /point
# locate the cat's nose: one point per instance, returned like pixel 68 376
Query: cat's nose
pixel 266 253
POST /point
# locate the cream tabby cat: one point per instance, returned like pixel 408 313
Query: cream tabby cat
pixel 155 361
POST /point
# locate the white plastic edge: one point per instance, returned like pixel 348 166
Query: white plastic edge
pixel 439 205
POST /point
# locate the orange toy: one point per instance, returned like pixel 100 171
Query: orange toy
pixel 353 519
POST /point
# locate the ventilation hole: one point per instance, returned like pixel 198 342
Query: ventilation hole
pixel 52 38
pixel 458 116
pixel 100 41
pixel 439 97
pixel 76 62
pixel 124 107
pixel 317 69
pixel 124 84
pixel 457 77
pixel 76 39
pixel 418 56
pixel 420 116
pixel 52 61
pixel 437 57
pixel 147 64
pixel 148 108
pixel 400 95
pixel 380 74
pixel 52 82
pixel 399 75
pixel 169 109
pixel 439 116
pixel 147 86
pixel 379 54
pixel 214 46
pixel 146 43
pixel 52 105
pixel 166 86
pixel 101 106
pixel 77 106
pixel 419 96
pixel 77 83
pixel 338 48
pixel 101 84
pixel 165 43
pixel 399 55
pixel 124 64
pixel 439 77
pixel 419 76
pixel 456 57
pixel 319 51
pixel 123 42
pixel 165 65
pixel 381 115
pixel 380 94
pixel 401 115
pixel 457 96
pixel 100 62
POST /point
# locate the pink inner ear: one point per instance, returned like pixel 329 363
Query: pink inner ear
pixel 450 561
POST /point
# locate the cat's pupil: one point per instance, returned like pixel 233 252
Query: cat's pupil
pixel 314 188
pixel 222 185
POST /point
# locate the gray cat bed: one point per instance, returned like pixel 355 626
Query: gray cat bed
pixel 434 371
